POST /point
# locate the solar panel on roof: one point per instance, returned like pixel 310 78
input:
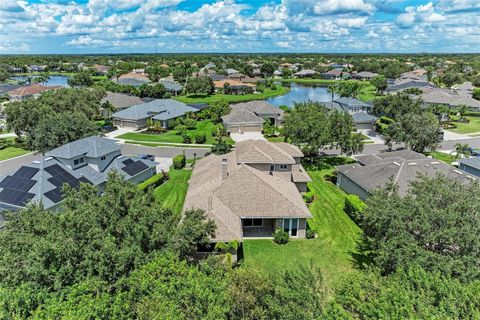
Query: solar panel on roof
pixel 128 161
pixel 16 183
pixel 15 197
pixel 135 167
pixel 25 172
pixel 53 170
pixel 54 195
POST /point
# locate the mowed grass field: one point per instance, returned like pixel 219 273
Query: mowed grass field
pixel 12 149
pixel 332 251
pixel 206 127
pixel 172 193
pixel 233 98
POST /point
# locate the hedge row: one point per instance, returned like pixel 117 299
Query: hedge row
pixel 153 181
pixel 354 207
pixel 179 162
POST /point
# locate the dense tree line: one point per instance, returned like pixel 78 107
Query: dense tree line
pixel 311 126
pixel 56 117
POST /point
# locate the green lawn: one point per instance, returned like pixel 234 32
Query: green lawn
pixel 445 157
pixel 276 139
pixel 232 98
pixel 472 127
pixel 367 93
pixel 207 127
pixel 13 150
pixel 154 144
pixel 337 233
pixel 172 193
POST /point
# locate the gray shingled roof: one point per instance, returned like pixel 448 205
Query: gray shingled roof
pixel 259 107
pixel 363 117
pixel 93 147
pixel 402 172
pixel 160 109
pixel 121 100
pixel 242 117
pixel 245 192
pixel 171 85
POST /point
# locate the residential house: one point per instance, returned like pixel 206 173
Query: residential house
pixel 251 116
pixel 357 109
pixel 464 89
pixel 29 91
pixel 450 98
pixel 334 74
pixel 235 87
pixel 101 69
pixel 131 79
pixel 470 165
pixel 400 167
pixel 87 160
pixel 251 191
pixel 231 71
pixel 408 83
pixel 171 86
pixel 162 110
pixel 122 101
pixel 306 73
pixel 365 75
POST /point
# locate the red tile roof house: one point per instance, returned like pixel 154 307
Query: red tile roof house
pixel 251 191
pixel 31 91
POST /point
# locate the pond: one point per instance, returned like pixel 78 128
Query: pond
pixel 301 93
pixel 53 81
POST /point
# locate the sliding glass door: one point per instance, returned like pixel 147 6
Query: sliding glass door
pixel 291 226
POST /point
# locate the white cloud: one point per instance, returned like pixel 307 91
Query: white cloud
pixel 351 23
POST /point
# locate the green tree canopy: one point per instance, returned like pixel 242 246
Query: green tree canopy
pixel 200 85
pixel 81 79
pixel 434 226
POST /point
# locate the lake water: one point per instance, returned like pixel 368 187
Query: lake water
pixel 301 93
pixel 53 81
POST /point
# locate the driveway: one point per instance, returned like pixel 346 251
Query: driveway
pixel 450 135
pixel 119 131
pixel 163 163
pixel 237 137
pixel 376 137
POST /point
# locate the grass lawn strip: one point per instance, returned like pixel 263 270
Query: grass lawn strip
pixel 442 156
pixel 173 145
pixel 13 151
pixel 337 233
pixel 172 193
pixel 207 127
pixel 472 127
pixel 231 98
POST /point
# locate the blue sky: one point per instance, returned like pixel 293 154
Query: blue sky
pixel 124 26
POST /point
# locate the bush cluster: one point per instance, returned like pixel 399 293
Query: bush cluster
pixel 179 162
pixel 280 236
pixel 153 181
pixel 354 207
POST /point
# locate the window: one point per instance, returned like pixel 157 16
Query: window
pixel 272 167
pixel 102 158
pixel 252 222
pixel 291 226
pixel 78 161
pixel 283 167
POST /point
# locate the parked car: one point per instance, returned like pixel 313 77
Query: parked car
pixel 474 152
pixel 107 129
pixel 150 157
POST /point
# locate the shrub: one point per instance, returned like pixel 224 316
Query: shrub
pixel 179 162
pixel 186 138
pixel 280 236
pixel 153 181
pixel 308 197
pixel 310 234
pixel 332 177
pixel 190 123
pixel 200 138
pixel 180 129
pixel 354 207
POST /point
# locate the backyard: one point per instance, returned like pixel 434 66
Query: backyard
pixel 9 148
pixel 337 237
pixel 232 98
pixel 207 127
pixel 172 193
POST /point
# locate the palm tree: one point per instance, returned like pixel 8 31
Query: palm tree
pixel 462 110
pixel 333 89
pixel 462 149
pixel 109 108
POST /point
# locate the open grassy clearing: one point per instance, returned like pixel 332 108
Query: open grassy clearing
pixel 172 193
pixel 473 126
pixel 207 127
pixel 231 98
pixel 337 237
pixel 13 149
pixel 442 156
